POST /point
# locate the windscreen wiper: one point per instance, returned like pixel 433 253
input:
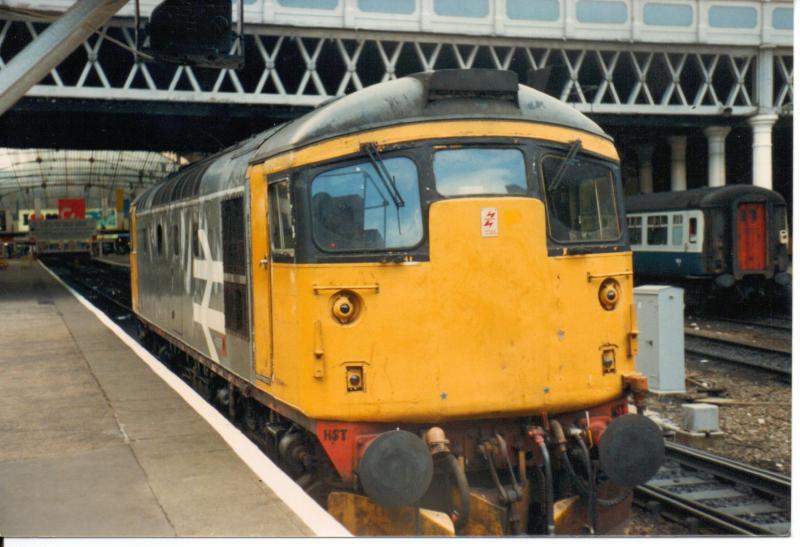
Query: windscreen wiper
pixel 574 148
pixel 388 180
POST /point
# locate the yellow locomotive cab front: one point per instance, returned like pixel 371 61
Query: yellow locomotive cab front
pixel 491 326
pixel 491 322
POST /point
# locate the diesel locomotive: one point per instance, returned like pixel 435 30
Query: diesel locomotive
pixel 419 298
pixel 729 241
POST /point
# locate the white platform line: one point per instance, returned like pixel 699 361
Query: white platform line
pixel 315 517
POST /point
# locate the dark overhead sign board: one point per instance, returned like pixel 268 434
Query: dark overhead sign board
pixel 193 32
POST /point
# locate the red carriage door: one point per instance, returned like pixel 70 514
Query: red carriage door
pixel 752 236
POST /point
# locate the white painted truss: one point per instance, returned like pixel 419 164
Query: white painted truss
pixel 303 67
pixel 783 86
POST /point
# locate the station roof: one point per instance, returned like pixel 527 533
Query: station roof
pixel 50 175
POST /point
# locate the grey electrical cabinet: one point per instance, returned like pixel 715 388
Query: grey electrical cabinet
pixel 659 313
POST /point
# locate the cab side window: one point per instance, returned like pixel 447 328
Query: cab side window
pixel 176 238
pixel 195 240
pixel 281 224
pixel 159 240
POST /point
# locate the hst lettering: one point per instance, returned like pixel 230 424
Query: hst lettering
pixel 334 435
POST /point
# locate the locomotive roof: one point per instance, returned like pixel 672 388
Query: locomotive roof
pixel 426 96
pixel 699 198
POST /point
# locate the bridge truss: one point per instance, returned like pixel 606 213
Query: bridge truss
pixel 302 67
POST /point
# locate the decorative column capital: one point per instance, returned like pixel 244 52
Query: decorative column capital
pixel 716 132
pixel 677 143
pixel 762 122
pixel 645 151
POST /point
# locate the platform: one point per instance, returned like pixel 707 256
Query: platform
pixel 94 443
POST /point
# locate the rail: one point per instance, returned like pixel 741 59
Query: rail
pixel 726 495
pixel 723 349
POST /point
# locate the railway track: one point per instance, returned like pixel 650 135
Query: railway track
pixel 776 358
pixel 100 282
pixel 780 324
pixel 724 495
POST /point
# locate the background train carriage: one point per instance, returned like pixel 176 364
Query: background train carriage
pixel 62 236
pixel 734 236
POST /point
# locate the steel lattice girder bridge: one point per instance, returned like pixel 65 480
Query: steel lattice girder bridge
pixel 303 67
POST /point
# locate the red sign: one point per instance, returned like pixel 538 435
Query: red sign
pixel 72 208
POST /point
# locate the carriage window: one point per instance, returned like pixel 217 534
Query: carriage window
pixel 479 171
pixel 635 230
pixel 692 230
pixel 355 209
pixel 677 229
pixel 195 241
pixel 280 219
pixel 657 230
pixel 176 235
pixel 159 240
pixel 581 201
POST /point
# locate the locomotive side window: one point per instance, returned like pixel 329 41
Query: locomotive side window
pixel 657 228
pixel 176 239
pixel 581 200
pixel 159 240
pixel 195 241
pixel 677 229
pixel 479 171
pixel 280 219
pixel 635 230
pixel 234 266
pixel 233 246
pixel 357 209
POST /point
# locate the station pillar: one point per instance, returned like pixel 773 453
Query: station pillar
pixel 645 154
pixel 678 157
pixel 762 149
pixel 716 154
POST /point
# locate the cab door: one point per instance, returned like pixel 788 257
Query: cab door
pixel 751 234
pixel 261 275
